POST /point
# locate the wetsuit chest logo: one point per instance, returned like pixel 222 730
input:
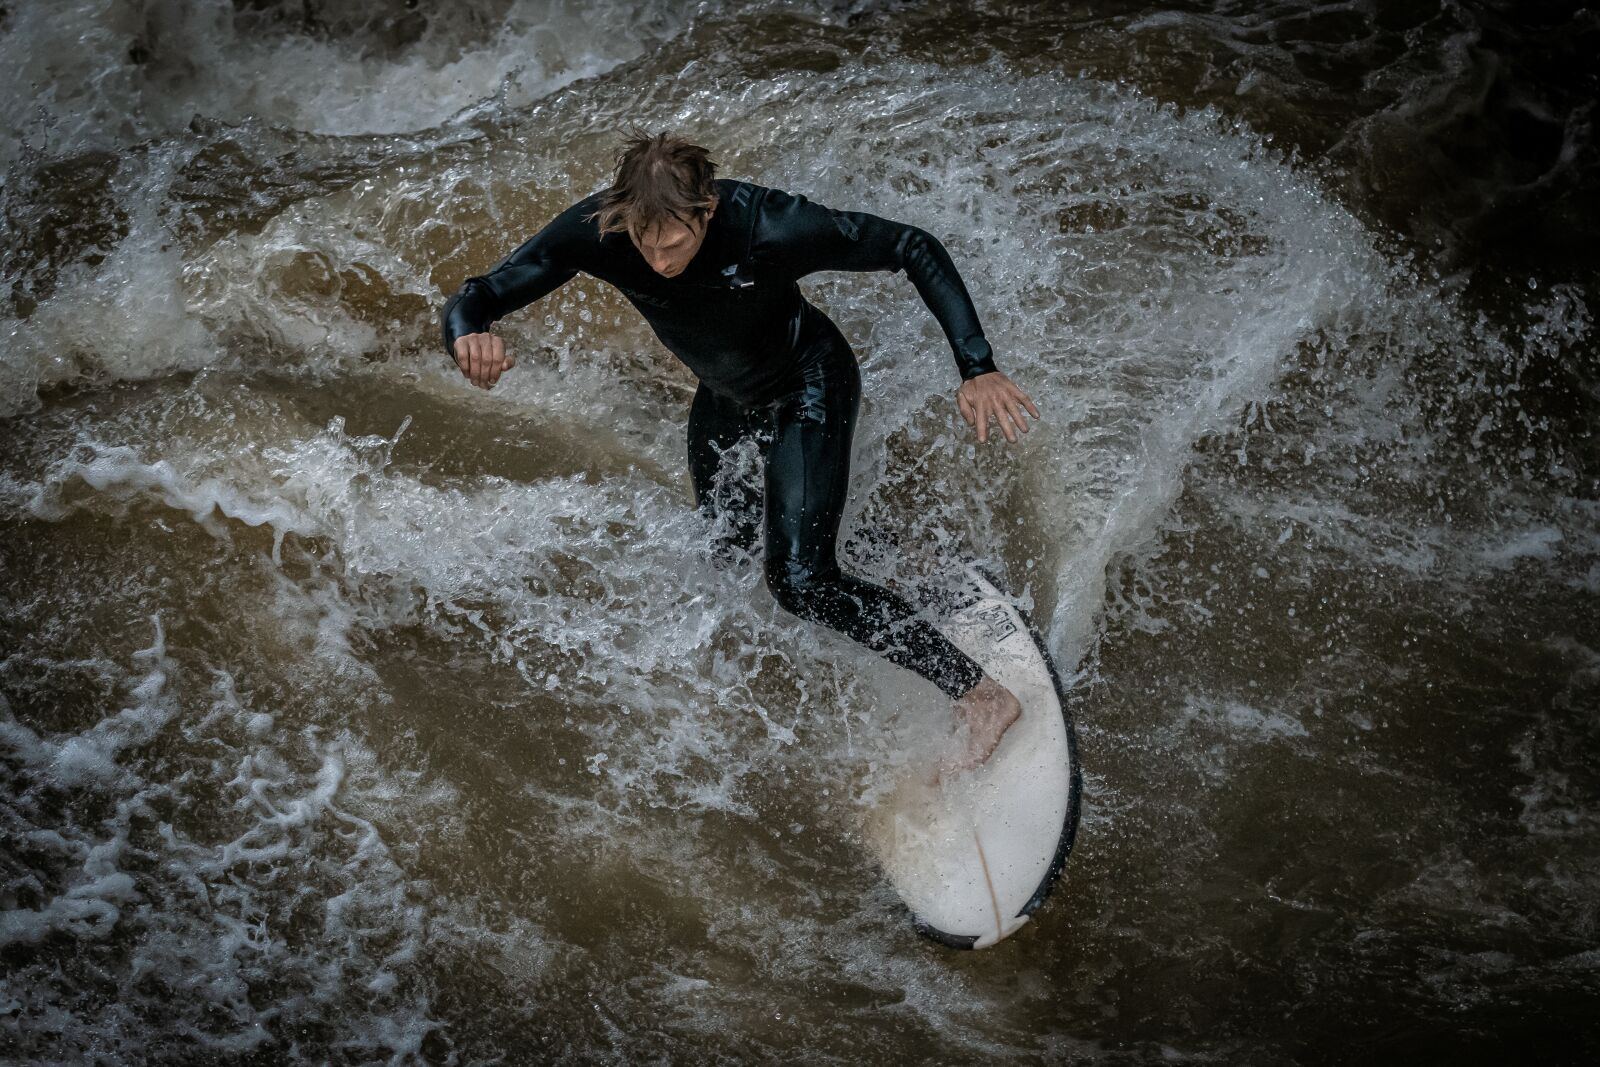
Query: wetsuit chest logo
pixel 645 298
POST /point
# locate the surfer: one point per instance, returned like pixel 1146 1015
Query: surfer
pixel 712 264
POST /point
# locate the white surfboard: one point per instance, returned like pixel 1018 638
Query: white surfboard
pixel 975 856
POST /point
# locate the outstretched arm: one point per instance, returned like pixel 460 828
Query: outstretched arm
pixel 532 271
pixel 800 237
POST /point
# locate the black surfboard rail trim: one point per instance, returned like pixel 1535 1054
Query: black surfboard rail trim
pixel 1069 829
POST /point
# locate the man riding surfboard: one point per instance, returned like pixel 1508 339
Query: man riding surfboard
pixel 712 265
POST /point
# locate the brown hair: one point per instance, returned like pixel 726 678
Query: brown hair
pixel 658 177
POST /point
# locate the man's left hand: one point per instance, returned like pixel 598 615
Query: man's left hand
pixel 994 396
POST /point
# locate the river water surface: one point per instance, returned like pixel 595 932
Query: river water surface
pixel 349 714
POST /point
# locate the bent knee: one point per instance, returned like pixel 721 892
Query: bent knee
pixel 797 590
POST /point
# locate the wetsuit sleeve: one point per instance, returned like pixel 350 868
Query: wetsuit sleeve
pixel 543 262
pixel 798 237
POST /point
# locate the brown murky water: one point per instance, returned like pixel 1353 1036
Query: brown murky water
pixel 349 714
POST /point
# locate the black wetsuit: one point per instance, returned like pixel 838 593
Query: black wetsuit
pixel 772 366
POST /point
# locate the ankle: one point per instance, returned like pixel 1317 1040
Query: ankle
pixel 969 699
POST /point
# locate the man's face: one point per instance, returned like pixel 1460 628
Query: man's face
pixel 670 246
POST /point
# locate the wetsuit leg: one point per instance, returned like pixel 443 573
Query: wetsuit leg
pixel 717 424
pixel 807 475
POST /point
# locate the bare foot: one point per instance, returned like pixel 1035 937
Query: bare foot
pixel 984 715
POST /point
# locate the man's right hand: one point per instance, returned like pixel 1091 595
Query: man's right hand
pixel 482 357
